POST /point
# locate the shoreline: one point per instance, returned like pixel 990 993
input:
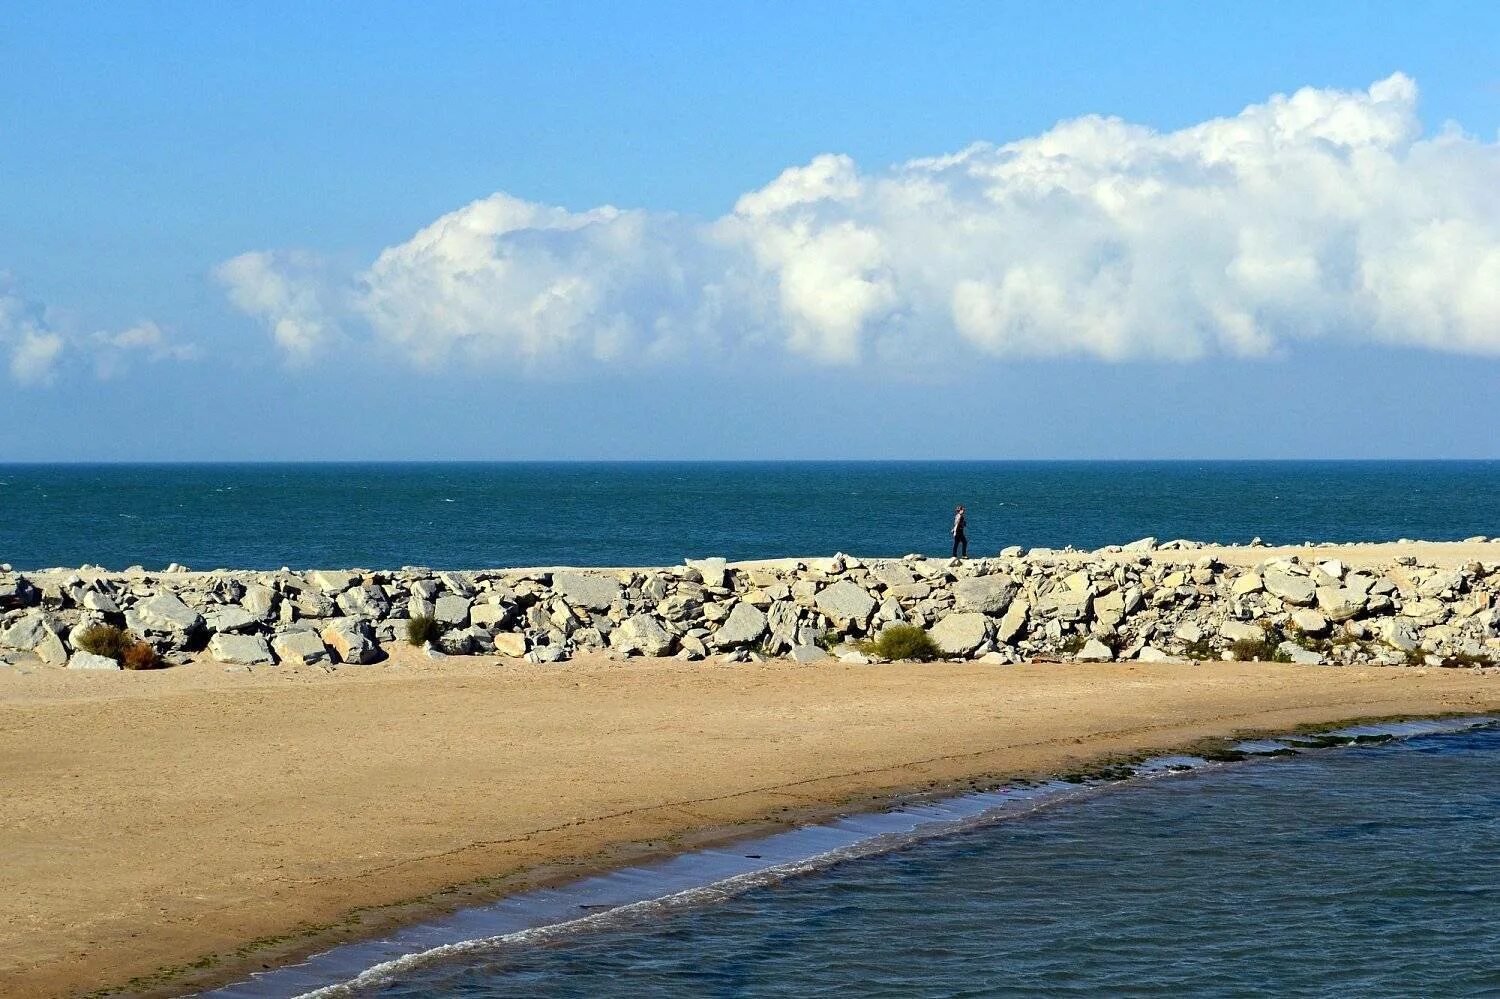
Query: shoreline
pixel 774 744
pixel 686 879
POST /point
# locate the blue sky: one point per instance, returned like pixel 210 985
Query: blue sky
pixel 210 218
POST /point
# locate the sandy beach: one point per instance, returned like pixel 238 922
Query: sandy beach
pixel 215 822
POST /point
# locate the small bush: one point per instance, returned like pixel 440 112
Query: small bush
pixel 423 629
pixel 902 641
pixel 1254 649
pixel 1468 660
pixel 106 640
pixel 1073 644
pixel 140 655
pixel 1201 648
pixel 830 640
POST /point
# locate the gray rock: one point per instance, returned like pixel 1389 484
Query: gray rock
pixel 352 642
pixel 711 569
pixel 489 616
pixel 164 614
pixel 87 660
pixel 1397 634
pixel 547 654
pixel 1340 603
pixel 1013 625
pixel 1094 651
pixel 808 654
pixel 299 648
pixel 240 650
pixel 365 601
pixel 894 574
pixel 1309 622
pixel 229 617
pixel 331 583
pixel 1296 590
pixel 587 591
pixel 960 634
pixel 260 601
pixel 27 631
pixel 1148 654
pixel 985 594
pixel 641 633
pixel 1241 631
pixel 1297 654
pixel 452 609
pixel 846 603
pixel 311 603
pixel 744 626
pixel 102 602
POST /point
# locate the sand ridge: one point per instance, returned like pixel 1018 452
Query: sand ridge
pixel 151 820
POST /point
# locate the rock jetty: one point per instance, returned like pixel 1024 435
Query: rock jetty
pixel 1117 603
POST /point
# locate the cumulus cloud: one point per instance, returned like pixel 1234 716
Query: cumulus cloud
pixel 35 347
pixel 1323 214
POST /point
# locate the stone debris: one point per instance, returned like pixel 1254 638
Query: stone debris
pixel 1122 602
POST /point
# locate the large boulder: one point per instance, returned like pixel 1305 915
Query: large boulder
pixel 1309 622
pixel 1094 651
pixel 511 644
pixel 87 660
pixel 1340 603
pixel 164 614
pixel 1298 591
pixel 585 590
pixel 1013 625
pixel 1241 631
pixel 368 602
pixel 240 650
pixel 352 642
pixel 229 617
pixel 299 648
pixel 641 633
pixel 712 570
pixel 450 608
pixel 985 594
pixel 27 631
pixel 331 583
pixel 846 603
pixel 962 633
pixel 746 624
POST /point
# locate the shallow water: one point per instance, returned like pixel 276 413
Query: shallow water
pixel 1360 871
pixel 475 515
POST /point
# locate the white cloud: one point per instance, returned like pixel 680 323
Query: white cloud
pixel 1324 214
pixel 289 291
pixel 35 347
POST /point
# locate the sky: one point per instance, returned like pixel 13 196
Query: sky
pixel 774 230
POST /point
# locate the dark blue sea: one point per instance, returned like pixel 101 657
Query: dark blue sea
pixel 478 515
pixel 1370 870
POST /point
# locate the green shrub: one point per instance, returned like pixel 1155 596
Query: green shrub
pixel 1073 644
pixel 105 640
pixel 1201 649
pixel 423 629
pixel 830 640
pixel 902 641
pixel 1254 649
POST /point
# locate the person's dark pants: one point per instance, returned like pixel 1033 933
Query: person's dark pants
pixel 960 540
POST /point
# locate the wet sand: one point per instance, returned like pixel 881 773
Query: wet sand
pixel 159 820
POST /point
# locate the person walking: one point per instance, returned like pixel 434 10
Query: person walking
pixel 960 532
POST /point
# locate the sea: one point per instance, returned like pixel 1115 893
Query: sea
pixel 487 514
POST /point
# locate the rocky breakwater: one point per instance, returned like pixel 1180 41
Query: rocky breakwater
pixel 1137 601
